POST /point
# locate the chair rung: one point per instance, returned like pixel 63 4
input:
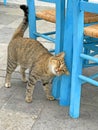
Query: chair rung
pixel 45 37
pixel 87 57
pixel 90 65
pixel 52 51
pixel 94 76
pixel 51 1
pixel 49 33
pixel 91 77
pixel 89 7
pixel 89 80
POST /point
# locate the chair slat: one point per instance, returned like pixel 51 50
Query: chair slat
pixel 89 7
pixel 84 56
pixel 89 80
pixel 50 1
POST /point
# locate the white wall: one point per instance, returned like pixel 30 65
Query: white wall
pixel 95 1
pixel 24 2
pixel 37 2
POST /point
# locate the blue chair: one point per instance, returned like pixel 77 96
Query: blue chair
pixel 58 15
pixel 52 16
pixel 79 6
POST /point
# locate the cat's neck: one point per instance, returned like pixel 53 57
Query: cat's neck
pixel 47 64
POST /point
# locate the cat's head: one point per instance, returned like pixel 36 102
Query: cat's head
pixel 57 65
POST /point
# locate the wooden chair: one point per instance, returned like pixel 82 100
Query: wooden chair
pixel 89 18
pixel 78 30
pixel 57 16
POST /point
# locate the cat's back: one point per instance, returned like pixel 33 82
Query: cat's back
pixel 26 42
pixel 26 50
pixel 26 45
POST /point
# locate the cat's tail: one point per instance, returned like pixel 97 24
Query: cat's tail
pixel 23 25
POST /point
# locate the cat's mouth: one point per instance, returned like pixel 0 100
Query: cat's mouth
pixel 61 72
pixel 58 72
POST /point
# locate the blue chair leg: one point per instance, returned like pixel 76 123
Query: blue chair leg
pixel 56 88
pixel 77 61
pixel 60 7
pixel 32 18
pixel 67 47
pixel 5 2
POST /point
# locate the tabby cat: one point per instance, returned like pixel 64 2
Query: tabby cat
pixel 31 54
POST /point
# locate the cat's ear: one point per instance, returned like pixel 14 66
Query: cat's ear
pixel 61 55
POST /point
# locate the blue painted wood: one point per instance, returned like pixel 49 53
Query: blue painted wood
pixel 5 2
pixel 78 56
pixel 84 56
pixel 56 88
pixel 32 18
pixel 50 1
pixel 86 51
pixel 90 44
pixel 45 37
pixel 49 33
pixel 89 80
pixel 77 61
pixel 90 65
pixel 67 48
pixel 92 77
pixel 89 7
pixel 60 16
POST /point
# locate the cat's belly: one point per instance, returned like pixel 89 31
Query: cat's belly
pixel 26 60
pixel 25 64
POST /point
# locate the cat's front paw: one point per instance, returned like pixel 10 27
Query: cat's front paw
pixel 28 99
pixel 51 98
pixel 8 85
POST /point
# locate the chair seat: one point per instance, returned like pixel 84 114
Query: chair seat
pixel 91 31
pixel 90 17
pixel 49 15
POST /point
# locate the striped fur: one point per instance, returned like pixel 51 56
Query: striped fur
pixel 31 54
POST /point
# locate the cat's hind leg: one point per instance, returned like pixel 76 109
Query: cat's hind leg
pixel 30 87
pixel 11 66
pixel 22 71
pixel 47 89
